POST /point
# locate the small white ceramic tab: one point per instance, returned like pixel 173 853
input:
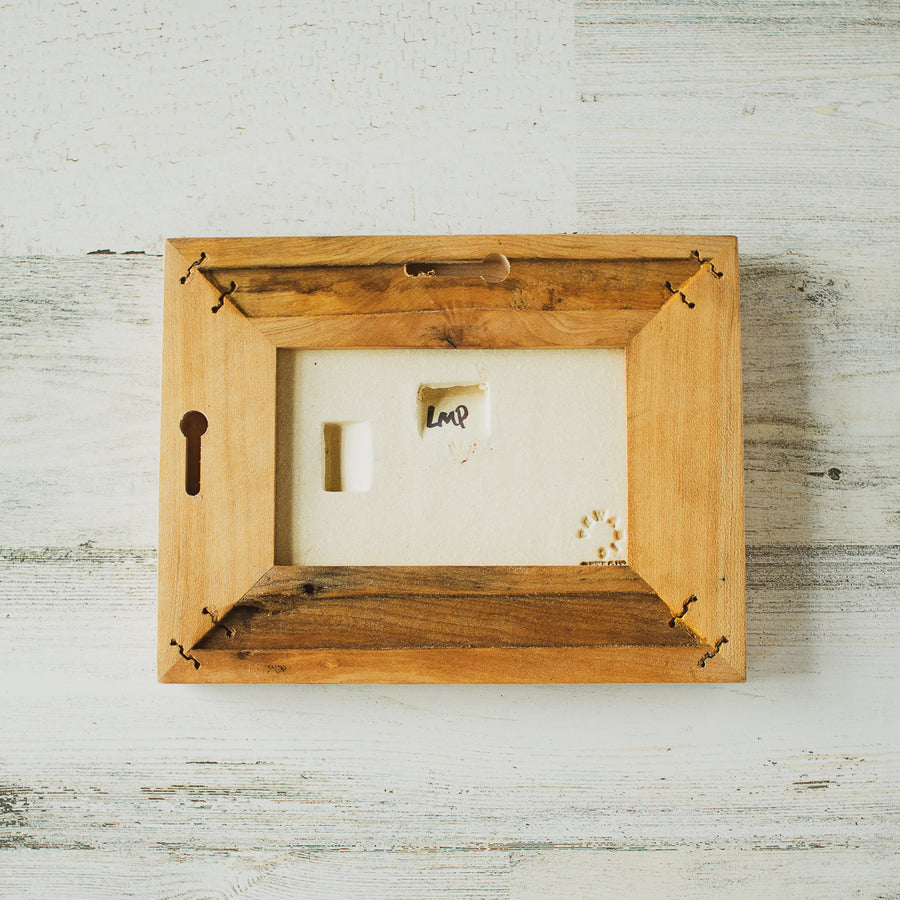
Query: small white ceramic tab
pixel 348 456
pixel 460 412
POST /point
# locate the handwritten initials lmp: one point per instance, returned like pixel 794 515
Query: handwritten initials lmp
pixel 457 416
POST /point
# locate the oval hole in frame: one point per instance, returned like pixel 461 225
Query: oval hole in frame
pixel 494 268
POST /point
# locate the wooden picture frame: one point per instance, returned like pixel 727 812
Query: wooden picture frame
pixel 675 612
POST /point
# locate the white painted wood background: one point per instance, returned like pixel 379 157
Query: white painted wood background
pixel 778 122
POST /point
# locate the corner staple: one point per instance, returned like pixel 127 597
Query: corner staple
pixel 217 621
pixel 187 656
pixel 696 255
pixel 222 297
pixel 684 609
pixel 192 266
pixel 684 299
pixel 711 653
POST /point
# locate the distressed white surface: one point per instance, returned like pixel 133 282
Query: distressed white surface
pixel 799 875
pixel 779 123
pixel 518 495
pixel 129 124
pixel 774 121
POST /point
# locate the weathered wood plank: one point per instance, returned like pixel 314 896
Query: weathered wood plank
pixel 80 370
pixel 809 873
pixel 283 584
pixel 685 455
pixel 403 118
pixel 285 875
pixel 392 623
pixel 356 299
pixel 532 284
pixel 393 607
pixel 218 539
pixel 398 250
pixel 440 330
pixel 780 126
pixel 497 665
pixel 447 788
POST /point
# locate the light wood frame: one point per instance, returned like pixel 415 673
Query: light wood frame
pixel 675 612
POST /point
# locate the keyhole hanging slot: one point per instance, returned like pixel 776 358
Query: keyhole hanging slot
pixel 493 268
pixel 193 427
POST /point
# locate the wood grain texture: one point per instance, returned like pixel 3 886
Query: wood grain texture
pixel 532 284
pixel 451 621
pixel 685 456
pixel 283 584
pixel 520 874
pixel 392 607
pixel 543 301
pixel 495 630
pixel 441 330
pixel 371 250
pixel 215 545
pixel 354 291
pixel 774 122
pixel 449 665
